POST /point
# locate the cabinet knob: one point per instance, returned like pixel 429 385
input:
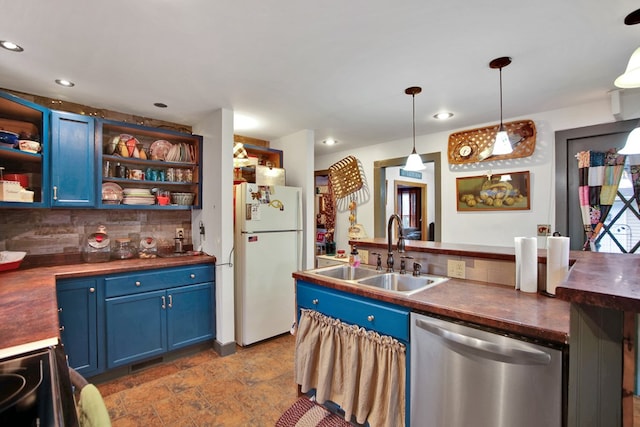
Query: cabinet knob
pixel 92 290
pixel 138 283
pixel 315 301
pixel 62 328
pixel 59 309
pixel 193 276
pixel 370 318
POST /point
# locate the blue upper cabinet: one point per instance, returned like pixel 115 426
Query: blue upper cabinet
pixel 138 163
pixel 72 160
pixel 26 169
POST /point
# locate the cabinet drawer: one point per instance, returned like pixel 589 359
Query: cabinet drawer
pixel 387 319
pixel 153 280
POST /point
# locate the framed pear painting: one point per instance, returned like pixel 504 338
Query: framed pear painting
pixel 494 192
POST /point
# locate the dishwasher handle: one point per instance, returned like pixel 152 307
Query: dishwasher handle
pixel 481 348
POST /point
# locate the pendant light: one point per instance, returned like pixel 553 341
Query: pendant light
pixel 631 76
pixel 631 79
pixel 502 145
pixel 632 146
pixel 414 162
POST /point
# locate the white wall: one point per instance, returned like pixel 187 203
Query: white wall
pixel 217 213
pixel 496 228
pixel 298 162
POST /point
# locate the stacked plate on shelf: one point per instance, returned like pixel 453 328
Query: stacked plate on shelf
pixel 138 196
pixel 111 193
pixel 180 152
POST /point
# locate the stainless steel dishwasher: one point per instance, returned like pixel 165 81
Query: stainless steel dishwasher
pixel 463 376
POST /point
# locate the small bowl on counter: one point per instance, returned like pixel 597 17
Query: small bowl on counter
pixel 10 260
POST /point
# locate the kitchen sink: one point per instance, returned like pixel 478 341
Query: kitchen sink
pixel 345 272
pixel 406 284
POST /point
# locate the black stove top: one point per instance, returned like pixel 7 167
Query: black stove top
pixel 32 391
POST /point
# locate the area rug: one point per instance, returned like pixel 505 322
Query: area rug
pixel 305 413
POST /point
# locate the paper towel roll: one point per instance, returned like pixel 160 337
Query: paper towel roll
pixel 526 249
pixel 557 262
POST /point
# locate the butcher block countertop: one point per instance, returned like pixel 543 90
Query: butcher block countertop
pixel 608 280
pixel 28 305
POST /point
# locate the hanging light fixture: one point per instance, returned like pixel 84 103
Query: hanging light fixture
pixel 502 145
pixel 630 79
pixel 631 76
pixel 632 146
pixel 414 162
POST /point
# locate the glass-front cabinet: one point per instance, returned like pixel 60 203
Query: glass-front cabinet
pixel 24 147
pixel 147 168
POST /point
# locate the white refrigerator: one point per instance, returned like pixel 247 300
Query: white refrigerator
pixel 268 248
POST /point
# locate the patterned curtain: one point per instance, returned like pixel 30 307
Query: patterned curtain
pixel 599 176
pixel 360 370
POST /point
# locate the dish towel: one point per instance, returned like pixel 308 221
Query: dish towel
pixel 305 413
pixel 92 412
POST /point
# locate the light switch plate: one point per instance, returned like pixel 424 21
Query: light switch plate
pixel 456 268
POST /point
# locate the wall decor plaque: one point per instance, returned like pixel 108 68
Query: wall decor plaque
pixel 474 145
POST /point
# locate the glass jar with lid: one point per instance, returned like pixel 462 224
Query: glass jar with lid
pixel 96 246
pixel 123 249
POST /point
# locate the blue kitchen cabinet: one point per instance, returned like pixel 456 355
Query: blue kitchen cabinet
pixel 79 317
pixel 190 318
pixel 382 317
pixel 136 327
pixel 30 121
pixel 72 160
pixel 152 312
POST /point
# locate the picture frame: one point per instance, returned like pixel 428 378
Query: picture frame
pixel 494 192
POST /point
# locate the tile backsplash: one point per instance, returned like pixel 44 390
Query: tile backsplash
pixel 56 231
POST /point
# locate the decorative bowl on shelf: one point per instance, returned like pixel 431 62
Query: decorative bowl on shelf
pixel 182 198
pixel 29 146
pixel 8 139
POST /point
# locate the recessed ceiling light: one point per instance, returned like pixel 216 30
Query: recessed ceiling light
pixel 330 141
pixel 160 104
pixel 443 115
pixel 10 46
pixel 65 83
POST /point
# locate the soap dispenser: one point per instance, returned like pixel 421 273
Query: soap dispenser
pixel 354 257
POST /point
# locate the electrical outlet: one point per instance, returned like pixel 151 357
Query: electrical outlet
pixel 544 229
pixel 364 256
pixel 456 268
pixel 180 233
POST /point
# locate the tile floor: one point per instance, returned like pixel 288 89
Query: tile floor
pixel 253 387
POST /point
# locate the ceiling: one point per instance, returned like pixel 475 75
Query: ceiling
pixel 337 67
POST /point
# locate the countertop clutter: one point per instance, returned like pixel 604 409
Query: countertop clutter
pixel 29 306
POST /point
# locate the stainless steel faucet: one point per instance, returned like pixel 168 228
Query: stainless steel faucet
pixel 400 244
